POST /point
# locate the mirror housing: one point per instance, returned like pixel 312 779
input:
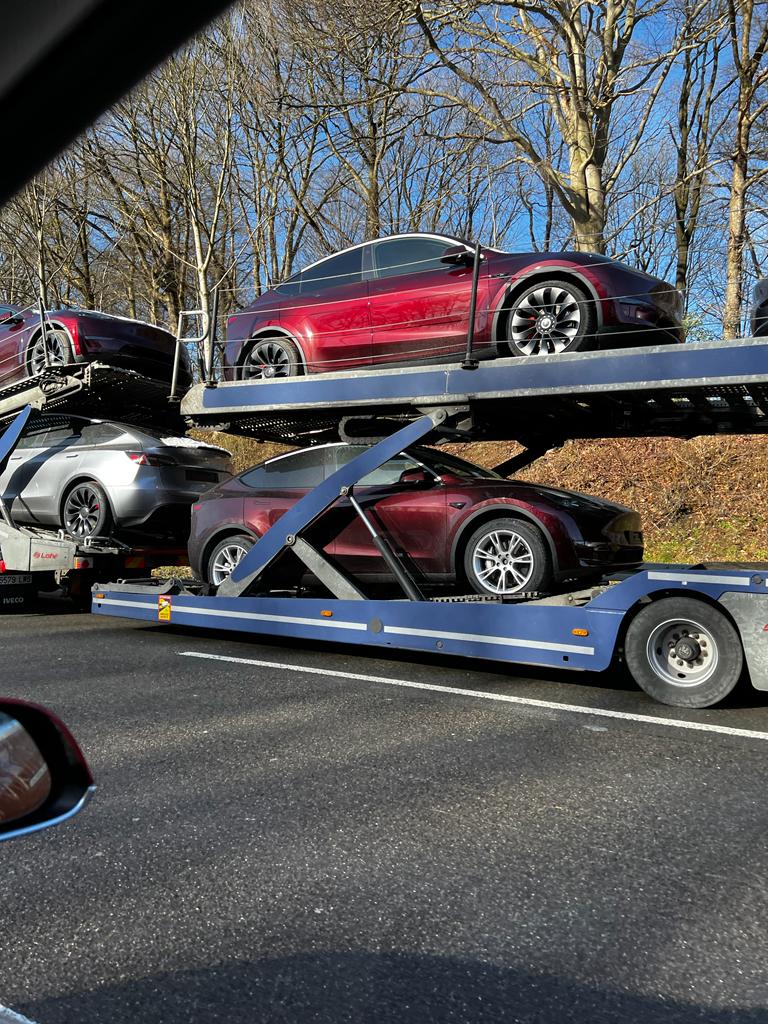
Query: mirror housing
pixel 44 778
pixel 415 477
pixel 458 254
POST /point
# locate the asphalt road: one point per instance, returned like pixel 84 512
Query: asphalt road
pixel 293 844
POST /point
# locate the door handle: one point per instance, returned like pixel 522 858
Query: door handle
pixel 74 455
pixel 457 504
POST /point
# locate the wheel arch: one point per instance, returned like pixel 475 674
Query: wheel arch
pixel 272 331
pixel 570 275
pixel 36 333
pixel 489 513
pixel 83 478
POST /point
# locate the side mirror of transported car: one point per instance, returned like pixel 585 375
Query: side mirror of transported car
pixel 456 254
pixel 415 477
pixel 44 778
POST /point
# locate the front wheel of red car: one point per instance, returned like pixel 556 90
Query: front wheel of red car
pixel 507 556
pixel 268 357
pixel 550 318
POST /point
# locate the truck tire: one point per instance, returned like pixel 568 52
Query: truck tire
pixel 684 652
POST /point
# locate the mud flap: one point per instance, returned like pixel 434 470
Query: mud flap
pixel 750 613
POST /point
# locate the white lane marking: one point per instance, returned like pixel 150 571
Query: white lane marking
pixel 577 709
pixel 8 1016
pixel 487 638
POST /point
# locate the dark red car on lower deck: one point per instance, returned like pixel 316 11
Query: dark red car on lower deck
pixel 75 336
pixel 406 298
pixel 456 522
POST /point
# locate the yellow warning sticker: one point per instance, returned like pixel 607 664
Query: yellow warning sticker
pixel 164 609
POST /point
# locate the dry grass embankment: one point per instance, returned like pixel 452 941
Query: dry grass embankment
pixel 700 499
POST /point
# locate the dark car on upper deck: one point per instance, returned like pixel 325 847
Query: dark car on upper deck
pixel 407 298
pixel 76 336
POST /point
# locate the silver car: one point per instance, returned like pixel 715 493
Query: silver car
pixel 759 315
pixel 96 478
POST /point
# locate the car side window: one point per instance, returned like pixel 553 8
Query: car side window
pixel 385 476
pixel 98 433
pixel 50 431
pixel 300 471
pixel 398 256
pixel 33 437
pixel 346 268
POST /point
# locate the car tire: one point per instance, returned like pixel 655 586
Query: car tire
pixel 224 554
pixel 59 351
pixel 683 652
pixel 85 511
pixel 270 357
pixel 550 318
pixel 507 556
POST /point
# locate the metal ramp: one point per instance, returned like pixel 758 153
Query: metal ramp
pixel 668 390
pixel 96 390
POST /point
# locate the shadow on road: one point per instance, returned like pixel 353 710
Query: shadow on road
pixel 368 988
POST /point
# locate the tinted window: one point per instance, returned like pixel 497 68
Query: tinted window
pixel 385 476
pixel 397 256
pixel 442 463
pixel 346 268
pixel 302 470
pixel 50 431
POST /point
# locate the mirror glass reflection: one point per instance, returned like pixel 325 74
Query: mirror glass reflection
pixel 25 782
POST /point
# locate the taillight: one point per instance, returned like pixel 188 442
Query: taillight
pixel 71 325
pixel 147 459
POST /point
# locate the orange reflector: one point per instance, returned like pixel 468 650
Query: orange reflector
pixel 580 632
pixel 81 563
pixel 326 614
pixel 99 597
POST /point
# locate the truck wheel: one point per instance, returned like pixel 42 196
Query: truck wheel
pixel 507 556
pixel 683 652
pixel 225 556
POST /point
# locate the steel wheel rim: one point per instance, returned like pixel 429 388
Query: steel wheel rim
pixel 225 562
pixel 545 321
pixel 82 512
pixel 501 556
pixel 51 351
pixel 267 359
pixel 665 643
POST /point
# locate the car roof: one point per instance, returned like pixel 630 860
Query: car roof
pixel 386 238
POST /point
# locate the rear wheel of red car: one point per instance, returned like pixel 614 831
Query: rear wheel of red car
pixel 85 511
pixel 551 317
pixel 507 556
pixel 269 357
pixel 54 350
pixel 225 556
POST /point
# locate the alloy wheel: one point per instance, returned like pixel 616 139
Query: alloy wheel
pixel 503 562
pixel 53 350
pixel 545 321
pixel 268 359
pixel 227 557
pixel 82 511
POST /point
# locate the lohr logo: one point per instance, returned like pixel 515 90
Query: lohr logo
pixel 45 554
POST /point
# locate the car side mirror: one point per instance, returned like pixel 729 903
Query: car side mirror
pixel 415 478
pixel 457 254
pixel 44 778
pixel 13 320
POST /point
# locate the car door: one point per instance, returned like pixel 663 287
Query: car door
pixel 411 515
pixel 275 486
pixel 51 466
pixel 326 306
pixel 420 305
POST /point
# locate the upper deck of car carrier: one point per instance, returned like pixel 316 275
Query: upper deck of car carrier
pixel 668 390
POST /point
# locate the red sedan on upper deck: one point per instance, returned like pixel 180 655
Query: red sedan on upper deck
pixel 83 335
pixel 406 299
